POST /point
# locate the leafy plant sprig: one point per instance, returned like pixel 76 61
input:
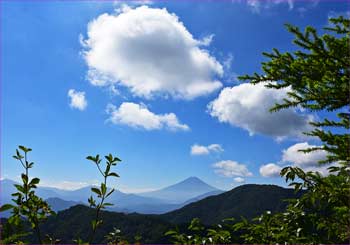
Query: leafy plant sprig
pixel 102 192
pixel 27 203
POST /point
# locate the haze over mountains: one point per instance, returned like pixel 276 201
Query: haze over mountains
pixel 211 208
pixel 155 202
pixel 181 192
pixel 247 200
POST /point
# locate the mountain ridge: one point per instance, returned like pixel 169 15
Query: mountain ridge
pixel 246 200
pixel 124 202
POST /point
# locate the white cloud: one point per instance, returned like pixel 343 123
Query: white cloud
pixel 230 168
pixel 301 159
pixel 239 180
pixel 257 5
pixel 205 150
pixel 293 157
pixel 270 170
pixel 334 14
pixel 149 51
pixel 138 116
pixel 247 106
pixel 77 99
pixel 127 189
pixel 66 185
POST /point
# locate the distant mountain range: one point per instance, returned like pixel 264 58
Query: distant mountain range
pixel 246 200
pixel 183 191
pixel 156 202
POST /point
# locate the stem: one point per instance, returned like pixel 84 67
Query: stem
pixel 37 230
pixel 36 222
pixel 98 209
pixel 27 174
pixel 101 172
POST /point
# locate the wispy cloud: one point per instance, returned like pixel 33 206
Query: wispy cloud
pixel 205 150
pixel 239 180
pixel 257 6
pixel 67 185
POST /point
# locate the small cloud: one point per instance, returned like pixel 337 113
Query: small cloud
pixel 138 116
pixel 270 170
pixel 206 41
pixel 334 14
pixel 230 168
pixel 133 3
pixel 127 189
pixel 257 6
pixel 77 99
pixel 205 150
pixel 229 75
pixel 239 180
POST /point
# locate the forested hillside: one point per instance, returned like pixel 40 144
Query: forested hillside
pixel 246 200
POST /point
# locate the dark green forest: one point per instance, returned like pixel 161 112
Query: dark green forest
pixel 71 224
pixel 318 207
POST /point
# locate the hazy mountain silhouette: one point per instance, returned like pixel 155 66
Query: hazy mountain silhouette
pixel 189 188
pixel 157 202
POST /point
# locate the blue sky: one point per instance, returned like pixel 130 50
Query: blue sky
pixel 148 84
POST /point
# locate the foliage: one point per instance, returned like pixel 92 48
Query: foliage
pixel 115 237
pixel 102 192
pixel 199 234
pixel 317 79
pixel 27 203
pixel 75 222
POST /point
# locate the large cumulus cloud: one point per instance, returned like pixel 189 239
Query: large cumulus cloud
pixel 149 51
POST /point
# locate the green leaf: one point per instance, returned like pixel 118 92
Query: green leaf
pixel 19 156
pixel 108 204
pixel 103 189
pixel 107 170
pixel 24 178
pixel 34 181
pixel 19 188
pixel 113 174
pixel 109 158
pixel 91 158
pixel 25 149
pixel 96 190
pixel 109 193
pixel 6 207
pixel 93 224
